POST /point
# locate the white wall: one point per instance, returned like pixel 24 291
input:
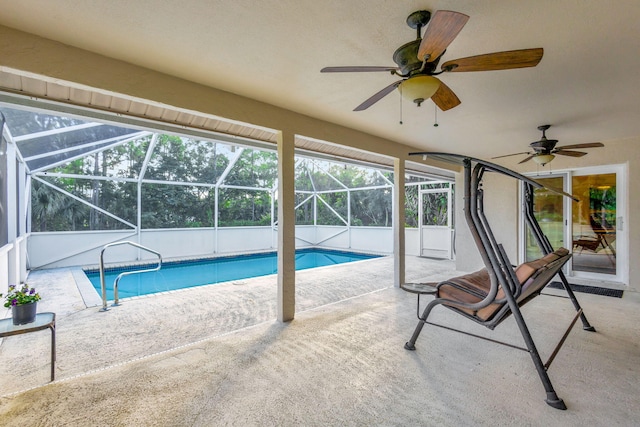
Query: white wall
pixel 4 266
pixel 372 239
pixel 51 250
pixel 412 241
pixel 64 249
pixel 502 212
pixel 333 236
pixel 246 239
pixel 13 263
pixel 305 236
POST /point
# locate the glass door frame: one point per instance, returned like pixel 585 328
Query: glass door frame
pixel 448 227
pixel 622 215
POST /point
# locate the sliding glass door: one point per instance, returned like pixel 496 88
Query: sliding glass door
pixel 593 227
pixel 549 210
pixel 594 223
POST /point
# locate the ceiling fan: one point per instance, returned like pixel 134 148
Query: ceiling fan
pixel 545 149
pixel 417 61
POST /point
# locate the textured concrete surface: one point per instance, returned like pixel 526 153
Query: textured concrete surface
pixel 216 356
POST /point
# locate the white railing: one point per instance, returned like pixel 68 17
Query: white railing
pixel 103 285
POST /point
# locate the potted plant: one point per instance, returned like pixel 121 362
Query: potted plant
pixel 23 302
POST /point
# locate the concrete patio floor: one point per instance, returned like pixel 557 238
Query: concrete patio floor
pixel 215 355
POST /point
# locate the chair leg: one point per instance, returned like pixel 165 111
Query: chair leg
pixel 585 323
pixel 411 344
pixel 552 398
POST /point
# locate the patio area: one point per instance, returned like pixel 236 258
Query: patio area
pixel 215 355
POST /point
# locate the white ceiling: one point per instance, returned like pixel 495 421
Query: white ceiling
pixel 586 85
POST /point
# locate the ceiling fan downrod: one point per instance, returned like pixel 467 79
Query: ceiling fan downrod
pixel 544 128
pixel 418 20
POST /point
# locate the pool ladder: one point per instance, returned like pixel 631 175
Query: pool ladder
pixel 125 273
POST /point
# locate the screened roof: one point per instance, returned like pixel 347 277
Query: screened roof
pixel 45 141
pixel 38 93
pixel 91 175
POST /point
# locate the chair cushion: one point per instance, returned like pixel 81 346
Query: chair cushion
pixel 474 287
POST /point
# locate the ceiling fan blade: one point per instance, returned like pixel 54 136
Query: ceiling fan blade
pixel 570 153
pixel 378 96
pixel 443 27
pixel 509 155
pixel 444 97
pixel 527 159
pixel 496 61
pixel 357 69
pixel 587 145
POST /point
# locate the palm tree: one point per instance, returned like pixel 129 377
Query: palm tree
pixel 45 204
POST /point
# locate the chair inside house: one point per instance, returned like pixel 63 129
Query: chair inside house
pixel 496 292
pixel 605 235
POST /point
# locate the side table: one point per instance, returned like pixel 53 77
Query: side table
pixel 43 321
pixel 420 289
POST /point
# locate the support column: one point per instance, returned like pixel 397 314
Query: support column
pixel 10 211
pixel 398 223
pixel 286 227
pixel 23 201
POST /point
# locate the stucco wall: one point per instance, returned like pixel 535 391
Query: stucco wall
pixel 501 210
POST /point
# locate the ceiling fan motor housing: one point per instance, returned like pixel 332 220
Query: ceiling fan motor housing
pixel 406 56
pixel 544 145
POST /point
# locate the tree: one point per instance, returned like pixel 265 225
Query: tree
pixel 180 181
pixel 254 169
pixel 46 203
pixel 411 206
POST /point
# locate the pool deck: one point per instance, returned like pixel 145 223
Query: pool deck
pixel 215 355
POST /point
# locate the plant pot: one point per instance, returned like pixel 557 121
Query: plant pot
pixel 23 314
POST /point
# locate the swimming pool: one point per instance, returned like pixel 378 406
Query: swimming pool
pixel 187 274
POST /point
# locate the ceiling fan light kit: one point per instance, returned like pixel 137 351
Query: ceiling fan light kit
pixel 417 61
pixel 543 159
pixel 419 88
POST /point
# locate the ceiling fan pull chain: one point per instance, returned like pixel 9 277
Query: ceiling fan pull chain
pixel 435 124
pixel 400 103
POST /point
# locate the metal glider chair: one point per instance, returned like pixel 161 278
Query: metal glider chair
pixel 499 290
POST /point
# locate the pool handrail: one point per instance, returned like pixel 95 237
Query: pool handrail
pixel 125 273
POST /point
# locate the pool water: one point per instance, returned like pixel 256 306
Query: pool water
pixel 186 274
